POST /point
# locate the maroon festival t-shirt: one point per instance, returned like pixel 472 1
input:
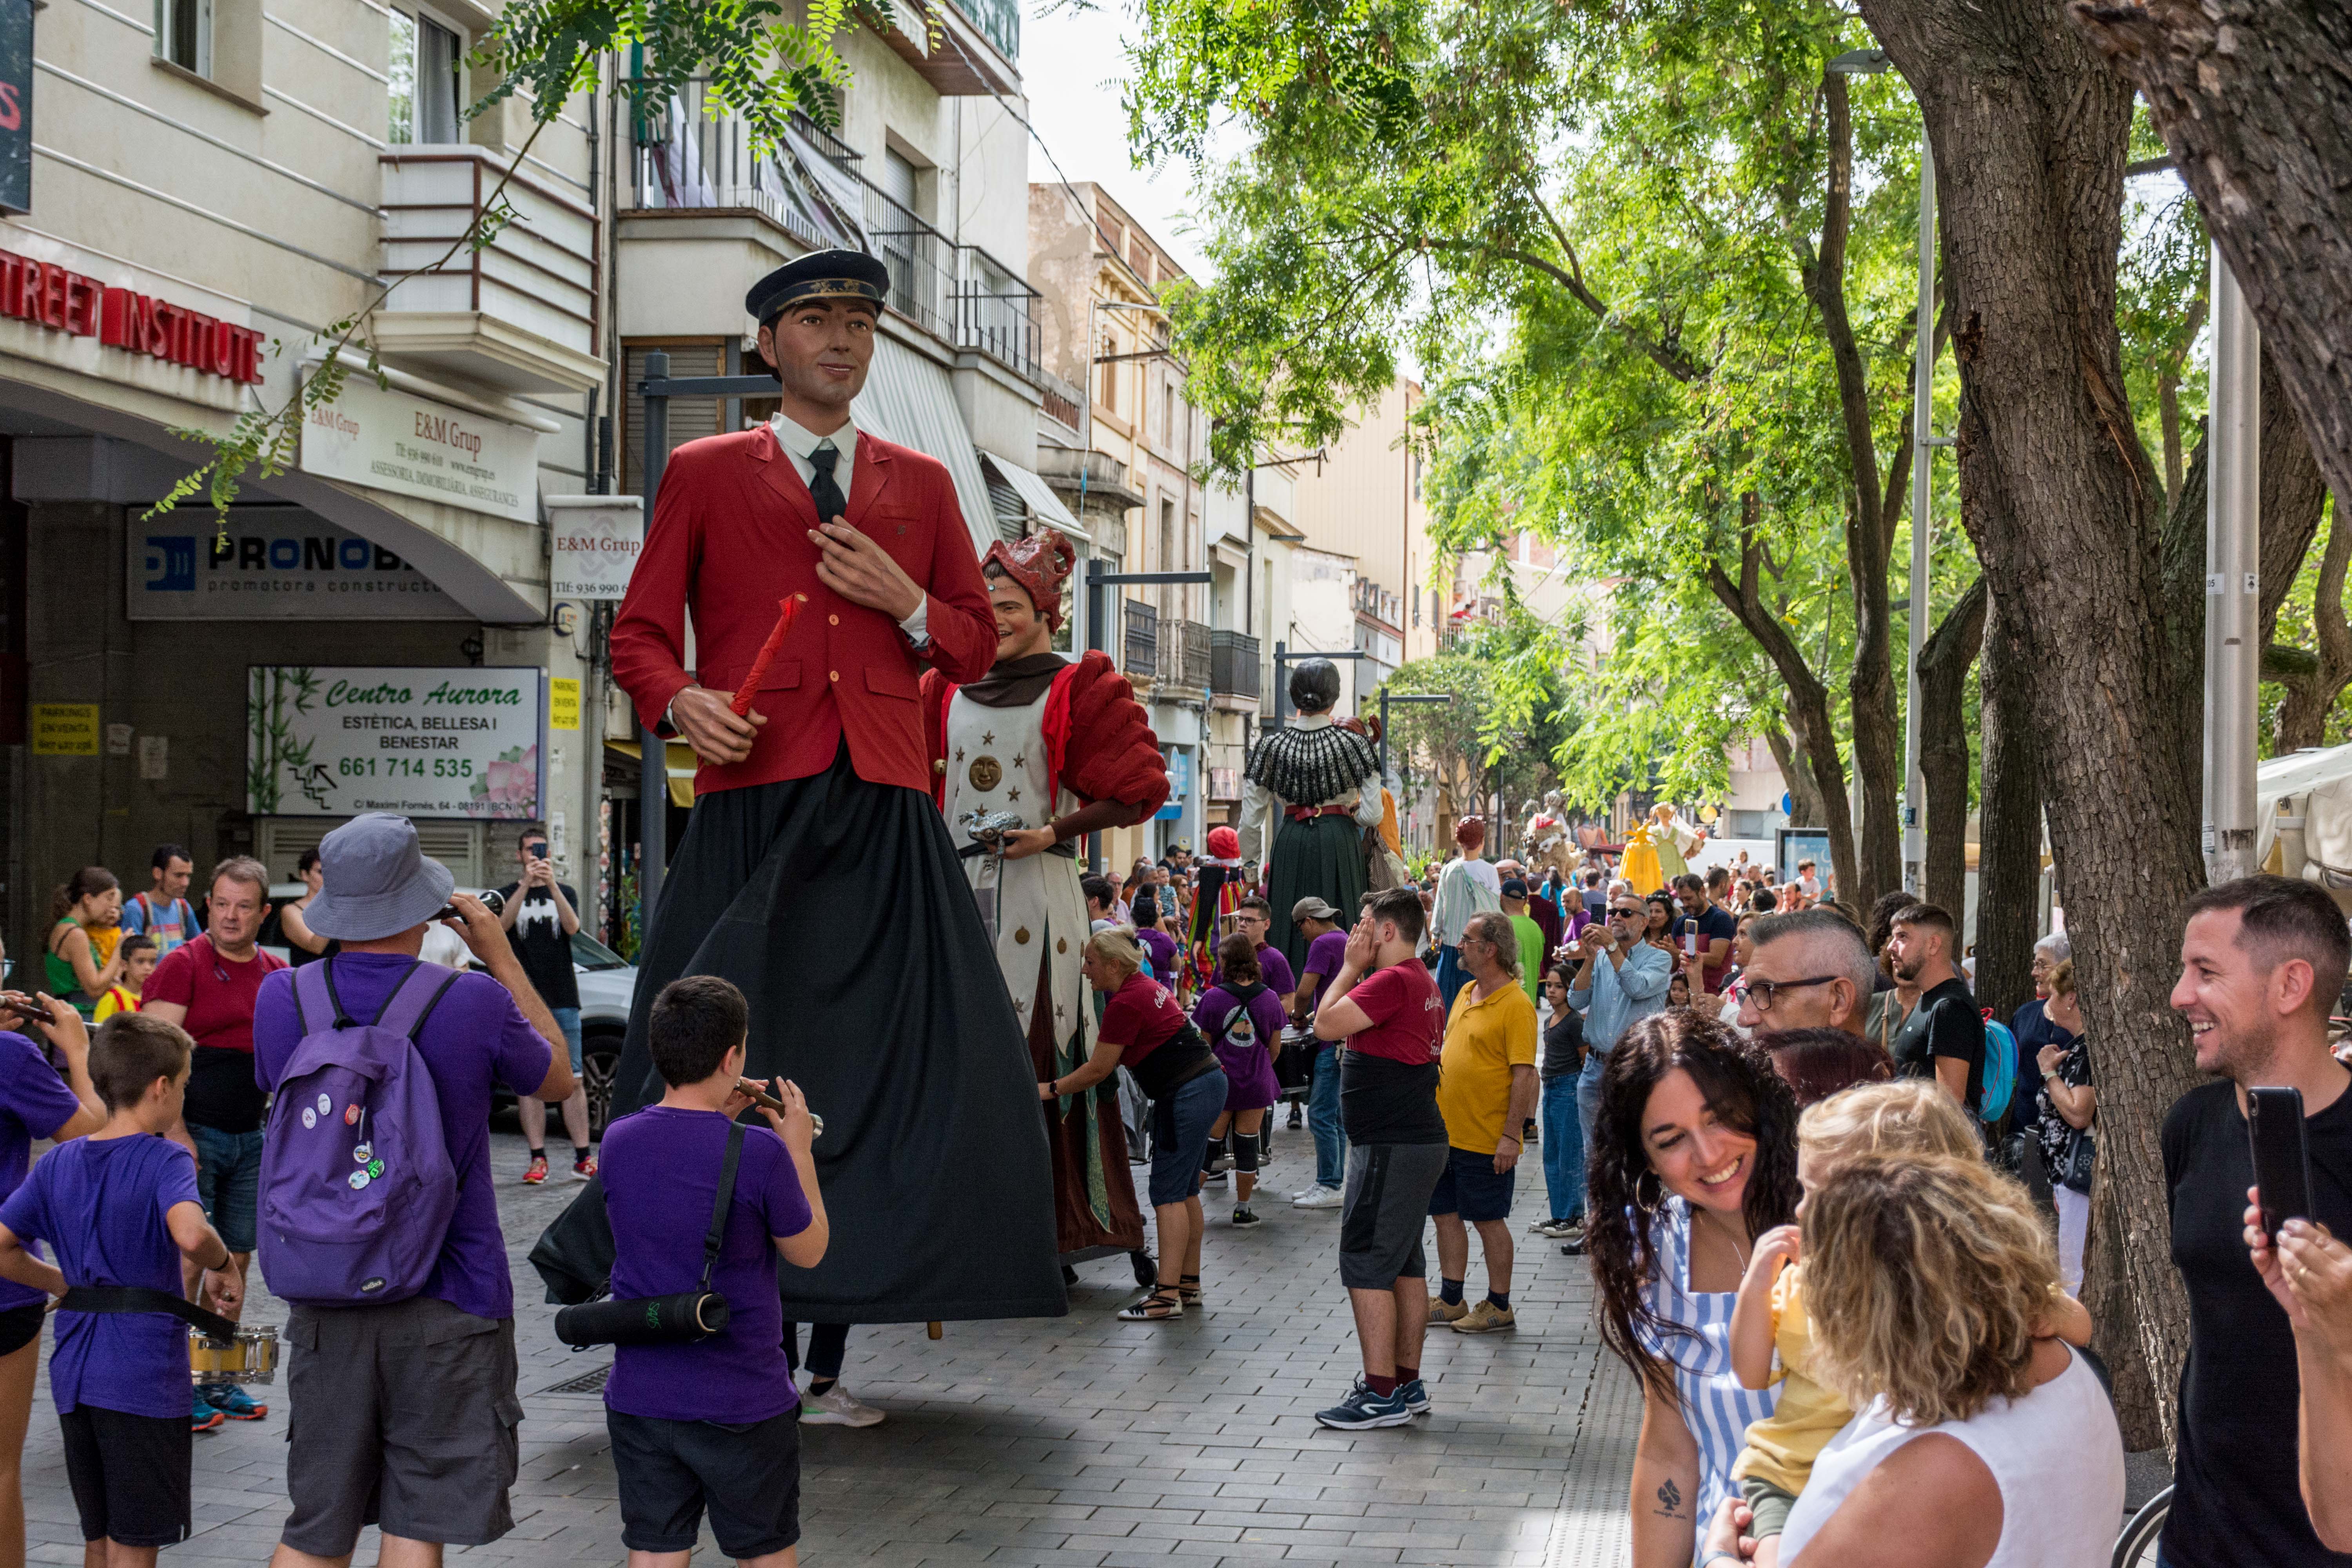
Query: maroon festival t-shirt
pixel 1388 1075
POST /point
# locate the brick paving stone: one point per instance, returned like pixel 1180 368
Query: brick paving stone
pixel 1078 1442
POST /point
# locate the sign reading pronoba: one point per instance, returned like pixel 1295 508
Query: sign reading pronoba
pixel 331 741
pixel 394 440
pixel 271 563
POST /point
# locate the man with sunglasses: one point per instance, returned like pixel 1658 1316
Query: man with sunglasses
pixel 540 916
pixel 1619 978
pixel 1808 969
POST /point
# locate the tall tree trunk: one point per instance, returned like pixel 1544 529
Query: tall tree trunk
pixel 1944 664
pixel 2009 817
pixel 2254 99
pixel 2031 133
pixel 2107 1291
pixel 1796 765
pixel 2302 715
pixel 1809 700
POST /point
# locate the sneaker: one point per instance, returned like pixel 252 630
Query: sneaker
pixel 1574 1246
pixel 1213 1178
pixel 1551 1227
pixel 204 1417
pixel 537 1172
pixel 583 1168
pixel 1362 1408
pixel 232 1402
pixel 1415 1395
pixel 1486 1318
pixel 1440 1312
pixel 1242 1215
pixel 834 1407
pixel 1319 1198
pixel 1296 1120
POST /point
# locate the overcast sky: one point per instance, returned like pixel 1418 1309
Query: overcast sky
pixel 1073 62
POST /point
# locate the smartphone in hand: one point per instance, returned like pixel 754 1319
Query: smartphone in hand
pixel 2282 1157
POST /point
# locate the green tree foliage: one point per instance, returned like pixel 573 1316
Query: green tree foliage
pixel 1508 720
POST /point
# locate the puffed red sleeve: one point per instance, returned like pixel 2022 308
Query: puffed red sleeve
pixel 648 639
pixel 961 626
pixel 1112 753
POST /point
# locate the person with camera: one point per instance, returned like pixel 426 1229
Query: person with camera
pixel 712 1423
pixel 404 1411
pixel 540 916
pixel 2261 962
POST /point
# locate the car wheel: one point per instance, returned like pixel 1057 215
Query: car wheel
pixel 601 1062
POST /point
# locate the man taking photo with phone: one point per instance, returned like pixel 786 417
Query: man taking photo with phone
pixel 539 917
pixel 2262 963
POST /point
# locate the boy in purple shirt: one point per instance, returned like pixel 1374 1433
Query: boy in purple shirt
pixel 716 1424
pixel 121 1207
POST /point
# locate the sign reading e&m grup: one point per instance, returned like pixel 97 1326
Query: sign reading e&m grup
pixel 395 440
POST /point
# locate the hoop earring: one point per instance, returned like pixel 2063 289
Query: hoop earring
pixel 1649 1206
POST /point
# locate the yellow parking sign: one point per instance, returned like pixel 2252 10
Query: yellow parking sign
pixel 562 704
pixel 65 729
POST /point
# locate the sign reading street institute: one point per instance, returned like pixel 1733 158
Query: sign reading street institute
pixel 394 440
pixel 333 741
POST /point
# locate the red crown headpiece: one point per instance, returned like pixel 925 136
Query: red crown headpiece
pixel 1040 563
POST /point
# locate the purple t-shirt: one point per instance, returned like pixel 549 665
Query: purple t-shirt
pixel 476 1037
pixel 100 1203
pixel 1275 970
pixel 1326 956
pixel 34 1103
pixel 1162 948
pixel 660 1167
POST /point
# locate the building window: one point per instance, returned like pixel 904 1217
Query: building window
pixel 1168 559
pixel 1109 374
pixel 183 33
pixel 1168 415
pixel 425 91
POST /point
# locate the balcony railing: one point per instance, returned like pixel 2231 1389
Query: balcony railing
pixel 1233 664
pixel 1140 646
pixel 1185 657
pixel 998 20
pixel 811 188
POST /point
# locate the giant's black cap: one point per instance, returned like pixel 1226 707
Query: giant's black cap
pixel 820 275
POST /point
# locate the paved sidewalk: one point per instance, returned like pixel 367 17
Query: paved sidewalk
pixel 1080 1440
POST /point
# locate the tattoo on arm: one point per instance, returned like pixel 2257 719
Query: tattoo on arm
pixel 1670 1500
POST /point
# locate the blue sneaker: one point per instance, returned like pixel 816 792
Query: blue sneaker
pixel 1362 1408
pixel 231 1400
pixel 1415 1395
pixel 204 1417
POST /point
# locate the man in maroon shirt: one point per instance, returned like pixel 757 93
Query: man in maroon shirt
pixel 889 1013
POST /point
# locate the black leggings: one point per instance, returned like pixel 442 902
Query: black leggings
pixel 828 1343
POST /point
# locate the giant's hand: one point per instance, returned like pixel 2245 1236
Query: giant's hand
pixel 862 572
pixel 716 731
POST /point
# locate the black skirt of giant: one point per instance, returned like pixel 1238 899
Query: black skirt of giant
pixel 1322 856
pixel 840 908
pixel 1312 767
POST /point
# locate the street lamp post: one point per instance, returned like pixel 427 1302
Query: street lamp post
pixel 2232 582
pixel 1282 656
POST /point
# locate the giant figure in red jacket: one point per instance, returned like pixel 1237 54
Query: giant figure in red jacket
pixel 815 872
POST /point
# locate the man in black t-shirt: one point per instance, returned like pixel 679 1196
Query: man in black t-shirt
pixel 2261 962
pixel 1944 1038
pixel 1703 933
pixel 541 916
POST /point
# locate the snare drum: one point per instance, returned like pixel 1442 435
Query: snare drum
pixel 251 1357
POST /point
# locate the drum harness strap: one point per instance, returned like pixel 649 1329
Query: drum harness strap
pixel 142 1298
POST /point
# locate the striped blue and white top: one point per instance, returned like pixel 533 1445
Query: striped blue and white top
pixel 1716 1408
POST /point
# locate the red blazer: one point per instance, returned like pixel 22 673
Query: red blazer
pixel 730 537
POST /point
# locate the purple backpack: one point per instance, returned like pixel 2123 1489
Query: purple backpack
pixel 357 1188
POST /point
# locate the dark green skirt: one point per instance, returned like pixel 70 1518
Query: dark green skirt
pixel 1321 858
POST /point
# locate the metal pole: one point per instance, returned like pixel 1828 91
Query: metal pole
pixel 1384 734
pixel 1922 454
pixel 653 774
pixel 1281 689
pixel 2232 581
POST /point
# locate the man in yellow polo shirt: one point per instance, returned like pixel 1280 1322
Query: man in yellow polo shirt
pixel 1485 1093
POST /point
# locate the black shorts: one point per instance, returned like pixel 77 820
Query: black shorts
pixel 129 1475
pixel 748 1477
pixel 20 1326
pixel 1384 1208
pixel 1470 1189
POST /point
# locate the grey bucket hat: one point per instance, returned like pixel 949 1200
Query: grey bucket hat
pixel 378 883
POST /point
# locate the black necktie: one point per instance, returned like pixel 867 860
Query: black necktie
pixel 823 489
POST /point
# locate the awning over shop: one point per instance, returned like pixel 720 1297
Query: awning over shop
pixel 682 765
pixel 1048 507
pixel 909 400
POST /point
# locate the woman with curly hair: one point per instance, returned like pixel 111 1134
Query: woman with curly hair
pixel 1982 1440
pixel 1694 1155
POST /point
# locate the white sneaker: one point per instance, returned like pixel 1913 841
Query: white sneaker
pixel 834 1407
pixel 1317 1198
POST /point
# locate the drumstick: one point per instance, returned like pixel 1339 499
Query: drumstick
pixel 786 608
pixel 761 1097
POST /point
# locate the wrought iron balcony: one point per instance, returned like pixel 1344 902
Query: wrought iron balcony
pixel 1233 664
pixel 1189 658
pixel 1140 646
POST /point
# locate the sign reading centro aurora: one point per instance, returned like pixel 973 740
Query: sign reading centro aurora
pixel 331 741
pixel 68 301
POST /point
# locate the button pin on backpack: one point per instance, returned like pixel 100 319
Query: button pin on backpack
pixel 359 1179
pixel 352 1114
pixel 310 1118
pixel 325 1105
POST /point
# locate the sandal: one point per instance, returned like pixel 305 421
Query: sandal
pixel 1189 1288
pixel 1163 1303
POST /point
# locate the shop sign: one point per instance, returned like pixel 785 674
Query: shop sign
pixel 562 703
pixel 77 304
pixel 393 440
pixel 16 106
pixel 1179 785
pixel 325 741
pixel 272 563
pixel 65 729
pixel 595 541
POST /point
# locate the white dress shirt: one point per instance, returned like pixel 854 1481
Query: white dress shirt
pixel 798 442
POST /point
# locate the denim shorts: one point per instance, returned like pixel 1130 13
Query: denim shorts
pixel 1179 1135
pixel 568 1020
pixel 229 1180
